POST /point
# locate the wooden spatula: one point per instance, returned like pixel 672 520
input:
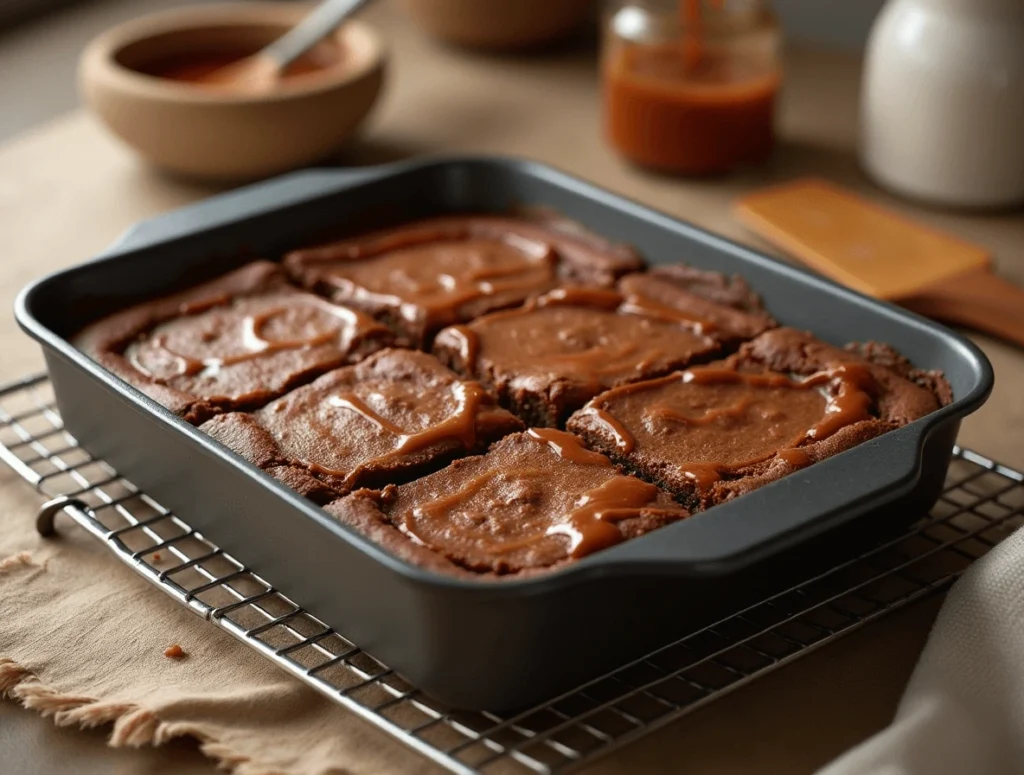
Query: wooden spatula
pixel 878 252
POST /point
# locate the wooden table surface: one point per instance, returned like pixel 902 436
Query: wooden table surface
pixel 67 190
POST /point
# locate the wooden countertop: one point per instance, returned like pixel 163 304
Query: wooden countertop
pixel 67 190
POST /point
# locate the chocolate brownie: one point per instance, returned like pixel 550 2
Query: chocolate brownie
pixel 397 415
pixel 717 304
pixel 235 342
pixel 546 359
pixel 535 500
pixel 784 401
pixel 423 276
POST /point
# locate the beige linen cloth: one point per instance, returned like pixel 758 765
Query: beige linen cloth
pixel 963 710
pixel 82 640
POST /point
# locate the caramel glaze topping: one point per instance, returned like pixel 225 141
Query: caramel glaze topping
pixel 729 419
pixel 711 302
pixel 219 333
pixel 579 297
pixel 392 406
pixel 596 337
pixel 641 305
pixel 626 304
pixel 459 425
pixel 534 499
pixel 437 268
pixel 591 525
pixel 568 447
pixel 848 401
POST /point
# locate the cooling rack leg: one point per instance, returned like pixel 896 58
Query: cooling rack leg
pixel 47 516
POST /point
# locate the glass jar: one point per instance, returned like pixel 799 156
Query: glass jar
pixel 690 85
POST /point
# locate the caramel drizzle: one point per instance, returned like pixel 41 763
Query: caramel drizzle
pixel 635 304
pixel 485 281
pixel 256 346
pixel 424 235
pixel 693 43
pixel 568 447
pixel 599 360
pixel 460 425
pixel 201 305
pixel 591 526
pixel 468 344
pixel 704 475
pixel 353 403
pixel 624 440
pixel 578 297
pixel 795 457
pixel 441 507
pixel 848 403
pixel 668 414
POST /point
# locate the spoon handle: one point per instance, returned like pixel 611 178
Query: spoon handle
pixel 325 18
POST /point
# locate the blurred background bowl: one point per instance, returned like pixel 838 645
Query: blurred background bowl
pixel 219 134
pixel 499 24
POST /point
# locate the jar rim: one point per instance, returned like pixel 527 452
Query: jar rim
pixel 663 19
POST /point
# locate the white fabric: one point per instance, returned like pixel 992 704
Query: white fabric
pixel 963 710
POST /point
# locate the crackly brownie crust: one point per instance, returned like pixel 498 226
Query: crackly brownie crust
pixel 234 342
pixel 712 437
pixel 535 501
pixel 423 276
pixel 395 416
pixel 549 357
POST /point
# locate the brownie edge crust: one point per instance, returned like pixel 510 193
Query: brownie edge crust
pixel 784 401
pixel 232 343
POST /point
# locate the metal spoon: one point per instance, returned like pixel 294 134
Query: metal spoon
pixel 262 70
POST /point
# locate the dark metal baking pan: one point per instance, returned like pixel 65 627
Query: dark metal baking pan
pixel 486 644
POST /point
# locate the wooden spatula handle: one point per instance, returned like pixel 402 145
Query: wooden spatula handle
pixel 977 299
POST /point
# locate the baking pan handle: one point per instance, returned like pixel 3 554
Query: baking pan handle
pixel 240 204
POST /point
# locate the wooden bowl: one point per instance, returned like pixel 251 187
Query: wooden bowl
pixel 221 134
pixel 499 24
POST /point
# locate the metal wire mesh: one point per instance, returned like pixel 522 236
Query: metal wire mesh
pixel 983 502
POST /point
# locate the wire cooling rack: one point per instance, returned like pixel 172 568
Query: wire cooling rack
pixel 983 502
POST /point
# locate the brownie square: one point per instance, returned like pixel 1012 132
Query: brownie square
pixel 546 359
pixel 397 415
pixel 784 401
pixel 534 501
pixel 720 305
pixel 419 278
pixel 235 342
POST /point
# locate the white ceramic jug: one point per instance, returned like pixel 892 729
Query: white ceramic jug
pixel 943 101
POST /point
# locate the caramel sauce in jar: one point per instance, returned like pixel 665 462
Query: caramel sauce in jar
pixel 690 85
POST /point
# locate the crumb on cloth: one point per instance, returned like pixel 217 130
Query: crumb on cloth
pixel 19 560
